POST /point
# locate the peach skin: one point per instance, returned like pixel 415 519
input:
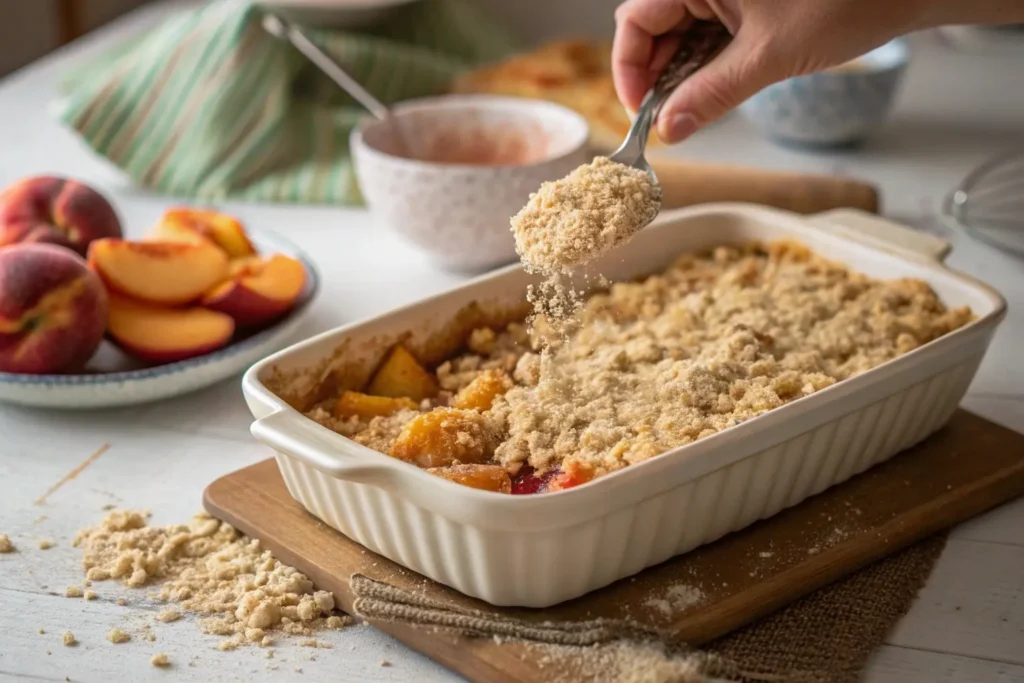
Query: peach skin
pixel 53 309
pixel 164 335
pixel 191 225
pixel 57 211
pixel 258 289
pixel 166 273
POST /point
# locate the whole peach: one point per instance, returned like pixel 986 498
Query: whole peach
pixel 53 309
pixel 56 211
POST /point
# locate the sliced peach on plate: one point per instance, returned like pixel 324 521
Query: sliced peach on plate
pixel 165 335
pixel 364 406
pixel 199 225
pixel 258 289
pixel 402 375
pixel 158 272
pixel 486 477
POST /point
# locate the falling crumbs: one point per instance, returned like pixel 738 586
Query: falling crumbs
pixel 209 568
pixel 573 221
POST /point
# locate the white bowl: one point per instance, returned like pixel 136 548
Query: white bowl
pixel 115 380
pixel 336 14
pixel 458 212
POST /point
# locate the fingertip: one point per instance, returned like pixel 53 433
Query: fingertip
pixel 675 127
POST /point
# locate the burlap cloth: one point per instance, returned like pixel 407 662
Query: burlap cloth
pixel 826 636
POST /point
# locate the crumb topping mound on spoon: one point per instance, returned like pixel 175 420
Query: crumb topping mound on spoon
pixel 573 221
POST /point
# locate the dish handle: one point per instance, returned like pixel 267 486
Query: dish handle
pixel 316 446
pixel 879 232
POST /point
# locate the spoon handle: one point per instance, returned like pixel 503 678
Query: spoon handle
pixel 700 44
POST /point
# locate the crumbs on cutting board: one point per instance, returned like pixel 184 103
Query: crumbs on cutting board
pixel 675 599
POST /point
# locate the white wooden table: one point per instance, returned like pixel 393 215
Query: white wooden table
pixel 966 627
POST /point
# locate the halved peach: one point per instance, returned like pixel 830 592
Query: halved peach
pixel 364 406
pixel 198 225
pixel 158 272
pixel 164 335
pixel 258 289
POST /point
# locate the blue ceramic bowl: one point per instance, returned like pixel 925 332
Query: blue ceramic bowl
pixel 835 107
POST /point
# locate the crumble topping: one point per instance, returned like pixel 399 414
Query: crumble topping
pixel 207 567
pixel 714 340
pixel 574 220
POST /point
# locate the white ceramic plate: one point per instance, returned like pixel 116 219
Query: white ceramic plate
pixel 116 380
pixel 338 14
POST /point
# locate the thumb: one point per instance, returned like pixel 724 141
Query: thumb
pixel 736 73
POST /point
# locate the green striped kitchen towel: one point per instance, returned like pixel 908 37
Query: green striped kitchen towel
pixel 207 105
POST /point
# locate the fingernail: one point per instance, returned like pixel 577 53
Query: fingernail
pixel 678 127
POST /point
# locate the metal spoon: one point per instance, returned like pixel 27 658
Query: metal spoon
pixel 279 28
pixel 700 43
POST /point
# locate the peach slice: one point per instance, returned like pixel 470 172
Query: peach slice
pixel 366 407
pixel 158 272
pixel 198 225
pixel 165 335
pixel 402 375
pixel 486 477
pixel 258 289
pixel 442 437
pixel 480 393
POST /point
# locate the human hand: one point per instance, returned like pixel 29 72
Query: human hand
pixel 772 40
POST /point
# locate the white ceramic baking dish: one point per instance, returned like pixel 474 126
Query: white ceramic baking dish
pixel 542 549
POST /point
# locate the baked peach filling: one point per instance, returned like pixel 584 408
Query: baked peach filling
pixel 714 340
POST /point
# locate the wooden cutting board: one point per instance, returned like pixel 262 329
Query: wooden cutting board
pixel 970 466
pixel 685 183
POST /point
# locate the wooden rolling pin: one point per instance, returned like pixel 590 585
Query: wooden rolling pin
pixel 689 182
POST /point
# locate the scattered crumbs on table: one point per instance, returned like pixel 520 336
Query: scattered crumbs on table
pixel 68 639
pixel 118 636
pixel 91 595
pixel 73 592
pixel 766 554
pixel 160 659
pixel 5 544
pixel 46 544
pixel 385 662
pixel 122 602
pixel 42 631
pixel 168 615
pixel 40 518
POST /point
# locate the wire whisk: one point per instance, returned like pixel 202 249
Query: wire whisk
pixel 989 203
